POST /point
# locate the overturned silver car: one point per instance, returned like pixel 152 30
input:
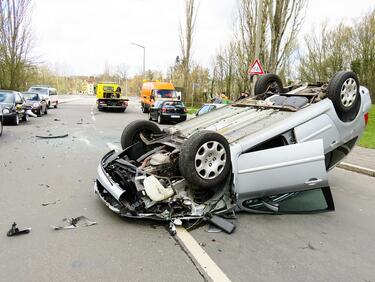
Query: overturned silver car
pixel 261 154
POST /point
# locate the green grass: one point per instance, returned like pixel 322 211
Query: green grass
pixel 368 138
pixel 193 110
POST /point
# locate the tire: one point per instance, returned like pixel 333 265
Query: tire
pixel 16 120
pixel 343 91
pixel 149 116
pixel 197 157
pixel 55 106
pixel 49 105
pixel 268 82
pixel 130 134
pixel 160 119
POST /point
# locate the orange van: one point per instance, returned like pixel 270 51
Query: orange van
pixel 155 91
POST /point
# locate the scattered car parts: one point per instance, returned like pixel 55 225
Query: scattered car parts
pixel 71 223
pixel 14 230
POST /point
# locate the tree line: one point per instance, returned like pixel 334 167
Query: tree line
pixel 282 50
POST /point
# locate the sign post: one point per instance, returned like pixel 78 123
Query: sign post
pixel 254 70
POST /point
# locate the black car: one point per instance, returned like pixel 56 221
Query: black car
pixel 14 107
pixel 37 102
pixel 168 111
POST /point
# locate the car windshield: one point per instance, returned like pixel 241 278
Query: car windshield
pixel 31 96
pixel 174 104
pixel 6 98
pixel 160 93
pixel 41 90
pixel 204 109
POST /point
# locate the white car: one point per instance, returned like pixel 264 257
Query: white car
pixel 267 154
pixel 49 94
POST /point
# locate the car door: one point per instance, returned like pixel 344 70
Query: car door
pixel 290 168
pixel 154 110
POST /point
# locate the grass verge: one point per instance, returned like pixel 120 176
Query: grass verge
pixel 368 138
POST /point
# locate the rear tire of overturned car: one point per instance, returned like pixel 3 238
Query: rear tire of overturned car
pixel 343 91
pixel 130 134
pixel 269 82
pixel 205 159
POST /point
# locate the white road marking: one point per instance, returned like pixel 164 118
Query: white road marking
pixel 92 116
pixel 112 146
pixel 201 257
pixel 85 140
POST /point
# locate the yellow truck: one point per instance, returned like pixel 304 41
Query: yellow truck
pixel 108 96
pixel 153 91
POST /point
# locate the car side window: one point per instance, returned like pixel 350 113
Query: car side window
pixel 18 98
pixel 204 109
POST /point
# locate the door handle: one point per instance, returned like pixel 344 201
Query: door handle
pixel 313 181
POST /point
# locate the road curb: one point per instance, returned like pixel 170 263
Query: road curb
pixel 357 168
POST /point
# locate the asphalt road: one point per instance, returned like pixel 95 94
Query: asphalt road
pixel 336 246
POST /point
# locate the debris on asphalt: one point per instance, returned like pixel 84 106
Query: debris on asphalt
pixel 56 119
pixel 50 136
pixel 213 229
pixel 50 203
pixel 16 231
pixel 71 223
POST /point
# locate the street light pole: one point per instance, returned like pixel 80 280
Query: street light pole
pixel 144 56
pixel 257 38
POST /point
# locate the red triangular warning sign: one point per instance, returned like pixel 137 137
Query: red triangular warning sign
pixel 256 68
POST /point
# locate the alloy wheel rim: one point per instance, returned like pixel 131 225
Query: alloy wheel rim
pixel 348 92
pixel 210 160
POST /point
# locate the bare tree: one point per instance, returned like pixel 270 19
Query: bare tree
pixel 15 42
pixel 186 40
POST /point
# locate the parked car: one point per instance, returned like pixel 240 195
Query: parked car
pixel 168 111
pixel 37 103
pixel 49 94
pixel 267 154
pixel 14 107
pixel 206 108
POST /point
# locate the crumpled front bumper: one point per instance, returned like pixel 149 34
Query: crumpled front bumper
pixel 108 191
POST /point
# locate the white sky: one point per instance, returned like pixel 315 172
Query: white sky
pixel 79 36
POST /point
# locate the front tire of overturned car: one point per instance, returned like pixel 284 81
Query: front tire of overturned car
pixel 269 82
pixel 343 91
pixel 16 120
pixel 130 134
pixel 205 159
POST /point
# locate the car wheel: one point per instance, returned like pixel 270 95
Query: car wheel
pixel 269 82
pixel 130 134
pixel 205 159
pixel 160 119
pixel 55 106
pixel 16 120
pixel 25 118
pixel 149 116
pixel 1 126
pixel 49 105
pixel 343 90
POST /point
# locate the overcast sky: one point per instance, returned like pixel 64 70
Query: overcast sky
pixel 79 36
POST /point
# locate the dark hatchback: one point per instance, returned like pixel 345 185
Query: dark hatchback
pixel 168 111
pixel 37 103
pixel 14 107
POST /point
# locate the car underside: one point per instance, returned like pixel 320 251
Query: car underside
pixel 251 156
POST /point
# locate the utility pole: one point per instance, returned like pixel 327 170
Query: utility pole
pixel 257 39
pixel 144 56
